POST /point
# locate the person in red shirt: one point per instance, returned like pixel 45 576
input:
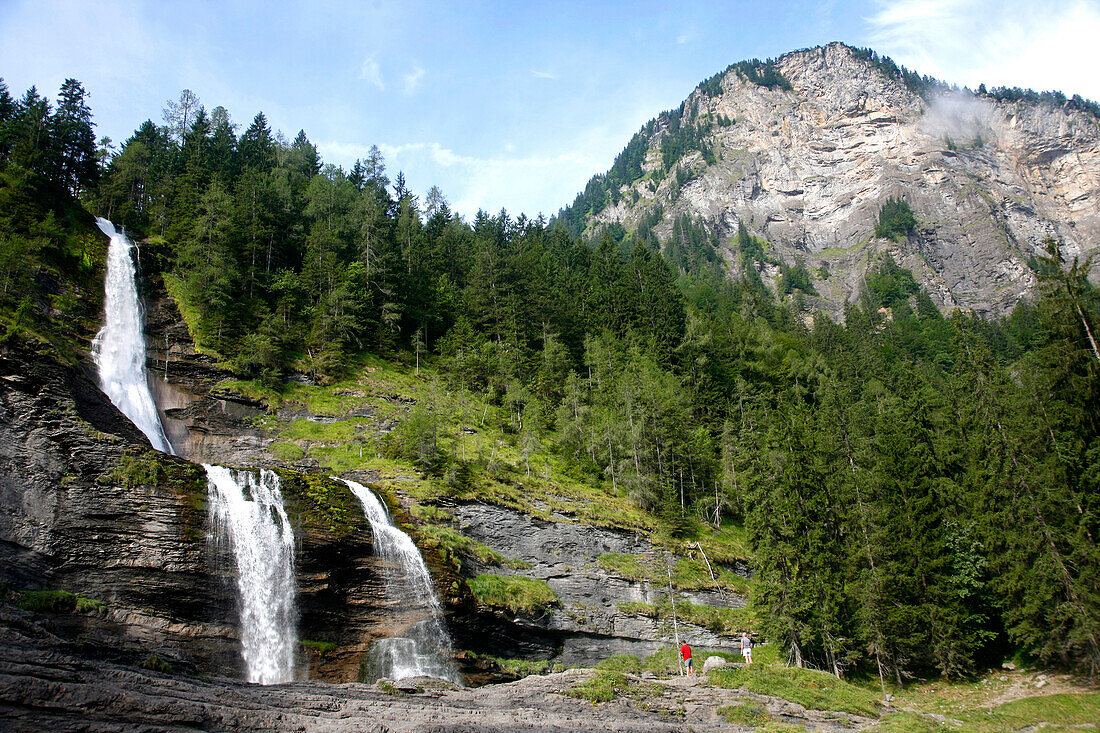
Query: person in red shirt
pixel 685 654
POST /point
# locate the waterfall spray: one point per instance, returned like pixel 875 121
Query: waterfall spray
pixel 425 650
pixel 247 514
pixel 119 347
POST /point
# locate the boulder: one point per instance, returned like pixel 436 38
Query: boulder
pixel 713 663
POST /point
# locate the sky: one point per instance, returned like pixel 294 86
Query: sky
pixel 507 104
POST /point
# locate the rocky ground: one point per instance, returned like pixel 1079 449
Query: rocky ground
pixel 44 685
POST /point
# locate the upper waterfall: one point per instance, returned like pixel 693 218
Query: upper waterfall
pixel 119 347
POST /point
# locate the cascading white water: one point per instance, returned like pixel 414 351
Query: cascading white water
pixel 425 650
pixel 119 347
pixel 247 513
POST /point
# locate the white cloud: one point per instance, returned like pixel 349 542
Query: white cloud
pixel 518 184
pixel 683 38
pixel 543 74
pixel 371 72
pixel 411 80
pixel 1049 45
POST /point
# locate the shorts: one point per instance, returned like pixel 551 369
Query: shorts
pixel 687 662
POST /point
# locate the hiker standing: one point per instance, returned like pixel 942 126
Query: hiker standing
pixel 746 648
pixel 685 655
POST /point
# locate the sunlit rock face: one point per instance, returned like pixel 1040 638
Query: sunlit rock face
pixel 808 169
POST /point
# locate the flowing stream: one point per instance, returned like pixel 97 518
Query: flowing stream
pixel 119 347
pixel 425 650
pixel 247 514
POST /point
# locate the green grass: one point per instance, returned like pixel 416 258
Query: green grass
pixel 321 503
pixel 286 451
pixel 454 546
pixel 515 593
pixel 59 601
pixel 748 714
pixel 321 647
pixel 621 663
pixel 727 621
pixel 810 688
pixel 522 667
pixel 178 291
pixel 687 574
pixel 967 706
pixel 631 567
pixel 603 686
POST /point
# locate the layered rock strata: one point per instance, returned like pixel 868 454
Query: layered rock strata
pixel 808 168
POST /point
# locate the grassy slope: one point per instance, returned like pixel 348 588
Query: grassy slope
pixel 361 414
pixel 556 488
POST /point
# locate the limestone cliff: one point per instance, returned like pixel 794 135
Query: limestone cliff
pixel 808 167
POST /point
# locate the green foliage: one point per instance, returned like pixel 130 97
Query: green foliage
pixel 320 647
pixel 726 621
pixel 455 546
pixel 156 664
pixel 763 73
pixel 631 567
pixel 627 663
pixel 59 601
pixel 748 714
pixel 603 686
pixel 795 278
pixel 922 85
pixel 515 593
pixel 321 503
pixel 521 667
pixel 895 220
pixel 809 688
pixel 889 284
pixel 138 467
pixel 286 451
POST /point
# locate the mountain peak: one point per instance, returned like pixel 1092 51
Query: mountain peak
pixel 805 150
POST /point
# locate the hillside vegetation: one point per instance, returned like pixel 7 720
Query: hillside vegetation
pixel 920 493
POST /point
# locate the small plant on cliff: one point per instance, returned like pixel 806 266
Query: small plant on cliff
pixel 515 593
pixel 138 467
pixel 895 220
pixel 156 664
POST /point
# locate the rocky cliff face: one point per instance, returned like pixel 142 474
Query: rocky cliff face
pixel 87 507
pixel 808 169
pixel 588 624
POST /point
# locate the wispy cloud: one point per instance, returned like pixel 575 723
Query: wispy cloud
pixel 684 38
pixel 1051 45
pixel 472 182
pixel 543 74
pixel 411 80
pixel 371 72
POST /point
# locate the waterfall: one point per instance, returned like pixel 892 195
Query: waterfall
pixel 247 514
pixel 119 347
pixel 425 650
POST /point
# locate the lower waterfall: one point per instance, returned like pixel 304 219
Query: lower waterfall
pixel 247 514
pixel 425 650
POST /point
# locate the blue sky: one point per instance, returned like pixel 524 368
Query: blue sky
pixel 500 104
